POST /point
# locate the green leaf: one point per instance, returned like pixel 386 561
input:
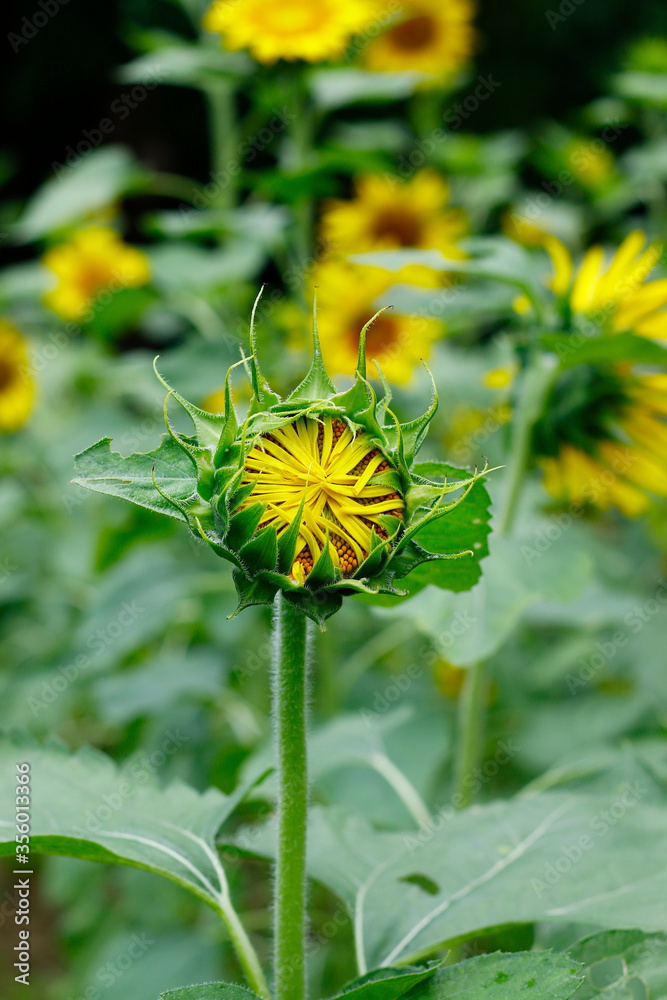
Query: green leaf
pixel 518 574
pixel 556 857
pixel 645 88
pixel 333 88
pixel 92 182
pixel 492 257
pixel 538 975
pixel 83 806
pixel 625 965
pixel 385 984
pixel 609 349
pixel 210 991
pixel 465 527
pixel 180 63
pixel 105 471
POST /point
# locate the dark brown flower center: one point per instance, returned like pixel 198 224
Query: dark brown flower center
pixel 399 226
pixel 415 33
pixel 7 374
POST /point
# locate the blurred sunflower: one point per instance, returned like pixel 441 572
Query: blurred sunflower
pixel 346 300
pixel 289 29
pixel 591 163
pixel 603 440
pixel 93 261
pixel 387 214
pixel 614 290
pixel 17 390
pixel 428 36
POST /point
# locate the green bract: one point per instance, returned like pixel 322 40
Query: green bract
pixel 199 479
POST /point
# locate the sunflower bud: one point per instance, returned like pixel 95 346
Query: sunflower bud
pixel 315 495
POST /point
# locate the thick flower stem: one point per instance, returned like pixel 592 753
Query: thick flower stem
pixel 291 639
pixel 472 712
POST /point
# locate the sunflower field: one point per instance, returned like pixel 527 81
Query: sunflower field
pixel 333 559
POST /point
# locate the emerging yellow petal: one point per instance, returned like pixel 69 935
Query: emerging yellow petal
pixel 335 471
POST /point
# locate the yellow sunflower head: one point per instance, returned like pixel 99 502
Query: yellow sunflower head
pixel 614 291
pixel 387 214
pixel 92 263
pixel 17 390
pixel 397 343
pixel 603 439
pixel 289 29
pixel 316 495
pixel 428 36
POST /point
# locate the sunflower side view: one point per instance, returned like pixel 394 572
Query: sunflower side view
pixel 316 496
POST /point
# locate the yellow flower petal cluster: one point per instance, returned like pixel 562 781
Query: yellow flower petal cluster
pixel 17 390
pixel 347 297
pixel 427 36
pixel 289 29
pixel 387 214
pixel 332 470
pixel 614 290
pixel 94 262
pixel 628 465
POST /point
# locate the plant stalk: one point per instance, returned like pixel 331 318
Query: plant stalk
pixel 471 718
pixel 291 641
pixel 244 950
pixel 225 146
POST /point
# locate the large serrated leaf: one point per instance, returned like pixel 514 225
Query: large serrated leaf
pixel 105 471
pixel 210 991
pixel 625 965
pixel 556 857
pixel 386 984
pixel 538 975
pixel 83 806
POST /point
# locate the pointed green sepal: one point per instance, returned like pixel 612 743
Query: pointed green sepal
pixel 288 541
pixel 207 425
pixel 243 524
pixel 263 396
pixel 261 552
pixel 317 384
pixel 323 572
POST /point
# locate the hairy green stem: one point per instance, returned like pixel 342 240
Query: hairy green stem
pixel 470 736
pixel 291 641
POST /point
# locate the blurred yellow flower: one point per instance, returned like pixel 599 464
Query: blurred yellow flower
pixel 94 261
pixel 627 462
pixel 17 390
pixel 448 679
pixel 428 36
pixel 346 300
pixel 590 162
pixel 289 29
pixel 500 378
pixel 518 226
pixel 615 290
pixel 387 213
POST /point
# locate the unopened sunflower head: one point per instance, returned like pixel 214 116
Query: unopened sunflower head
pixel 603 438
pixel 315 495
